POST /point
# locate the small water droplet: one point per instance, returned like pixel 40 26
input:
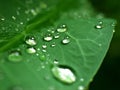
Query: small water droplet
pixel 31 50
pixel 56 36
pixel 42 57
pixel 48 37
pixel 53 45
pixel 44 46
pixel 64 74
pixel 66 40
pixel 100 44
pixel 113 30
pixel 13 17
pixel 56 61
pixel 30 40
pixel 15 56
pixel 21 23
pixel 81 79
pixel 44 50
pixel 62 28
pixel 99 25
pixel 2 19
pixel 81 88
pixel 34 13
pixel 18 13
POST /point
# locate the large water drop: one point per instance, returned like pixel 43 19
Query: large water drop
pixel 64 74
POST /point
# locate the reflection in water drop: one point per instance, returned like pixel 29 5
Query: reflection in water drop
pixel 64 74
pixel 62 28
pixel 15 56
pixel 30 40
pixel 31 50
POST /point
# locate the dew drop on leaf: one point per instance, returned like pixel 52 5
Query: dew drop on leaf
pixel 56 36
pixel 53 45
pixel 64 74
pixel 30 40
pixel 42 57
pixel 31 50
pixel 56 61
pixel 48 38
pixel 44 50
pixel 13 17
pixel 99 25
pixel 62 28
pixel 21 23
pixel 81 88
pixel 44 46
pixel 2 19
pixel 81 79
pixel 15 56
pixel 66 40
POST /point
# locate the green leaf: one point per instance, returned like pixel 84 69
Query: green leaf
pixel 51 45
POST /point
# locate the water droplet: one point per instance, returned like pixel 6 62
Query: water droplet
pixel 81 88
pixel 53 45
pixel 100 44
pixel 113 30
pixel 48 38
pixel 34 13
pixel 66 40
pixel 2 19
pixel 44 46
pixel 30 40
pixel 62 28
pixel 21 23
pixel 44 50
pixel 81 79
pixel 31 50
pixel 42 57
pixel 18 13
pixel 56 61
pixel 56 36
pixel 64 74
pixel 99 25
pixel 15 56
pixel 13 17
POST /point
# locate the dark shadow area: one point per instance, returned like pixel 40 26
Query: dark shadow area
pixel 108 76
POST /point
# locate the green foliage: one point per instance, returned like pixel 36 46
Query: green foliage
pixel 32 44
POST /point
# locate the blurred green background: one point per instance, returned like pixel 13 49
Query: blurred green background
pixel 108 76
